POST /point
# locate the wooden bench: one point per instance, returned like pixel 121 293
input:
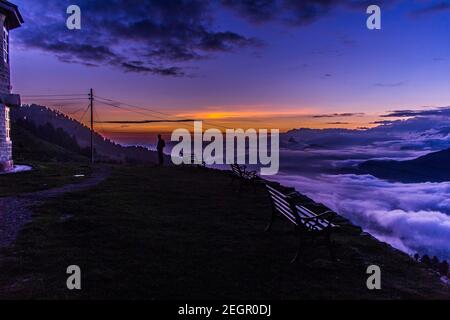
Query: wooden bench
pixel 240 173
pixel 304 220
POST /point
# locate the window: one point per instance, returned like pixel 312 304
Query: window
pixel 5 45
pixel 8 137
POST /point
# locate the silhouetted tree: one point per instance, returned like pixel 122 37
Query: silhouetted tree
pixel 56 136
pixel 443 268
pixel 33 119
pixel 435 262
pixel 426 260
pixel 416 257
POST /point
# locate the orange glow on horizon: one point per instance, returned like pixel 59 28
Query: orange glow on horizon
pixel 244 117
pixel 231 120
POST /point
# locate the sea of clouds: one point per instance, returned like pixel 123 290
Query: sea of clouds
pixel 412 217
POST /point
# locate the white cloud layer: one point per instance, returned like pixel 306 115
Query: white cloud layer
pixel 411 217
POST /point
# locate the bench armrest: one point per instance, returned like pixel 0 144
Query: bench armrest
pixel 248 174
pixel 330 213
pixel 323 217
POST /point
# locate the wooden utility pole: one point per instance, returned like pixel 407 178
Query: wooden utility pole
pixel 91 99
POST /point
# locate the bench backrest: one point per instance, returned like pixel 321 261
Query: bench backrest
pixel 297 214
pixel 316 225
pixel 237 170
pixel 282 204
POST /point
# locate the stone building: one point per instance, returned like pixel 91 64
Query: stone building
pixel 10 19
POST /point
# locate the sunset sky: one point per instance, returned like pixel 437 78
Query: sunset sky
pixel 268 63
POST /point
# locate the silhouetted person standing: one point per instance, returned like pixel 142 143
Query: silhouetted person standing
pixel 160 147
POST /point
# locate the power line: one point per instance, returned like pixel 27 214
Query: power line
pixel 162 120
pixel 97 116
pixel 52 95
pixel 133 106
pixel 84 114
pixel 81 119
pixel 106 101
pixel 57 99
pixel 127 109
pixel 53 98
pixel 151 110
pixel 145 121
pixel 75 112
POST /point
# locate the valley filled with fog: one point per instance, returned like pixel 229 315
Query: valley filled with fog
pixel 413 217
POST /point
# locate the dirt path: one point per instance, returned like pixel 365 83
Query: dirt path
pixel 15 211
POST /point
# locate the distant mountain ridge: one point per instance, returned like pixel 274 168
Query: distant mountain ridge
pixel 433 167
pixel 105 149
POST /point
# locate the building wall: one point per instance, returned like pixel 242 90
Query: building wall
pixel 5 141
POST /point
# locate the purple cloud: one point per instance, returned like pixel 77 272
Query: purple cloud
pixel 433 8
pixel 152 36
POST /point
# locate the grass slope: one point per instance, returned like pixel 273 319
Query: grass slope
pixel 53 166
pixel 43 176
pixel 183 233
pixel 27 147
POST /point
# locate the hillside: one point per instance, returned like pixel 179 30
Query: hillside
pixel 37 118
pixel 433 167
pixel 53 165
pixel 28 147
pixel 147 233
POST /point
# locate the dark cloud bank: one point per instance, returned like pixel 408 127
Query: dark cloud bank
pixel 152 36
pixel 157 36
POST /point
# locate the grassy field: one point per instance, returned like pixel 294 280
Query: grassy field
pixel 183 233
pixel 53 166
pixel 43 176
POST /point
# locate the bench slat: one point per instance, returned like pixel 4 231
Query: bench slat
pixel 303 212
pixel 281 200
pixel 312 214
pixel 274 195
pixel 285 211
pixel 283 206
pixel 275 191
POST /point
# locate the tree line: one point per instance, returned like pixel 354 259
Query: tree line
pixel 439 266
pixel 57 136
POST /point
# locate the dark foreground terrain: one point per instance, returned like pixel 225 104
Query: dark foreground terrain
pixel 183 233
